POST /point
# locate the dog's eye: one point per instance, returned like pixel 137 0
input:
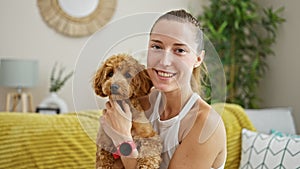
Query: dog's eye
pixel 127 75
pixel 110 74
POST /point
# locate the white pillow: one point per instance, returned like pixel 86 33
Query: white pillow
pixel 261 150
pixel 280 118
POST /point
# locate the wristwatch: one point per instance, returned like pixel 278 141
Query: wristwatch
pixel 124 149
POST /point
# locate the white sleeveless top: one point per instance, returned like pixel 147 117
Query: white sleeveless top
pixel 169 129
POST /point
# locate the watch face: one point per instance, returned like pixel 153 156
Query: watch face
pixel 125 149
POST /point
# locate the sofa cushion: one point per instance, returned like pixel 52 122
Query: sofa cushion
pixel 31 140
pixel 261 150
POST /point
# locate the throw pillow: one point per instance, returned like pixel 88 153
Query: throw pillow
pixel 283 134
pixel 261 150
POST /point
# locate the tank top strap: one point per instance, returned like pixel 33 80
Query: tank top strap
pixel 156 105
pixel 188 105
pixel 182 113
pixel 155 115
pixel 168 129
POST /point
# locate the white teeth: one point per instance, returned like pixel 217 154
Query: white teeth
pixel 164 74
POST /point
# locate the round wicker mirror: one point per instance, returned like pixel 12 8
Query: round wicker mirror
pixel 78 19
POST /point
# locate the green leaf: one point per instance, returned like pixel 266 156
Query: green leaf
pixel 222 27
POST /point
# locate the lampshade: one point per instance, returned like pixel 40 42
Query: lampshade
pixel 18 73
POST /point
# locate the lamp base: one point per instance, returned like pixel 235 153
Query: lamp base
pixel 16 98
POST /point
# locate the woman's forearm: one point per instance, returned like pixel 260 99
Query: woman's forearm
pixel 130 162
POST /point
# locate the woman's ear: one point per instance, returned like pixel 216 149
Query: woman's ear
pixel 199 59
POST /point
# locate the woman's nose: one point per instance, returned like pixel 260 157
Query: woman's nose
pixel 166 59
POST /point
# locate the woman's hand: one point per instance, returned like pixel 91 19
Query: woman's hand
pixel 117 122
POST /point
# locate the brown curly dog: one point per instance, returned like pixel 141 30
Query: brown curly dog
pixel 121 77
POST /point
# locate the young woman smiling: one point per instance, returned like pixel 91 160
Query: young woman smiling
pixel 192 133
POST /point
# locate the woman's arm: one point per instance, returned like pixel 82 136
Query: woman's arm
pixel 130 162
pixel 204 146
pixel 117 125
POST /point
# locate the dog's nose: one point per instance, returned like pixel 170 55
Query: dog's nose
pixel 114 88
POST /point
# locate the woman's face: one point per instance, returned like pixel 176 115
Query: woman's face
pixel 172 55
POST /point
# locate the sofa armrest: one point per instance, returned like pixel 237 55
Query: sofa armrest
pixel 279 118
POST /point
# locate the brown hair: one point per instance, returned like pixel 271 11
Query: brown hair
pixel 183 16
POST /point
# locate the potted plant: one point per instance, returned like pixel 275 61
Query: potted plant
pixel 242 33
pixel 57 81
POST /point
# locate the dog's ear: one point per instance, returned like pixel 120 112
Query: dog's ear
pixel 98 81
pixel 142 83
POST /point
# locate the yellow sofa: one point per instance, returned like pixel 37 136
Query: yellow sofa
pixel 31 140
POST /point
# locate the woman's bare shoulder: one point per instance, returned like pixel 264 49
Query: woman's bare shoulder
pixel 205 144
pixel 209 123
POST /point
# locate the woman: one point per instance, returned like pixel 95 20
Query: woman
pixel 192 133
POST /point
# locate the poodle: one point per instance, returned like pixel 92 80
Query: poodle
pixel 121 77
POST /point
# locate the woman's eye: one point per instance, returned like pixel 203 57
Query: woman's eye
pixel 127 75
pixel 180 51
pixel 110 74
pixel 155 47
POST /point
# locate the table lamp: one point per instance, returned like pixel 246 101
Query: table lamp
pixel 18 74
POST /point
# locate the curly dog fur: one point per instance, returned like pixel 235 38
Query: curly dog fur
pixel 121 77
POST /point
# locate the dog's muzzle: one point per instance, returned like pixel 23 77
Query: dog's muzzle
pixel 114 89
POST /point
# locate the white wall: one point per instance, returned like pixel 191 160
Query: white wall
pixel 281 85
pixel 25 35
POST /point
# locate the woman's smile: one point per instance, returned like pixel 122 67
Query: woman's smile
pixel 164 74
